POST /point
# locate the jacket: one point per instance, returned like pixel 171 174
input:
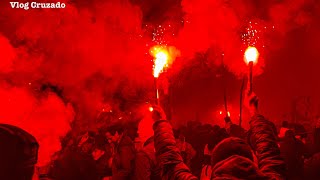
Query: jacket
pixel 262 138
pixel 123 161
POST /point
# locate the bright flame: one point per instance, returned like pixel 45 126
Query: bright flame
pixel 150 109
pixel 161 56
pixel 222 112
pixel 251 55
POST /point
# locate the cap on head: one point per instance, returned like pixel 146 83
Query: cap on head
pixel 229 147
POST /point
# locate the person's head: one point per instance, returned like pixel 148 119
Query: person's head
pixel 229 147
pixel 236 131
pixel 289 134
pixel 285 124
pixel 87 146
pixel 216 137
pixel 87 141
pixel 99 147
pixel 215 128
pixel 113 133
pixel 132 130
pixel 18 153
pixel 179 135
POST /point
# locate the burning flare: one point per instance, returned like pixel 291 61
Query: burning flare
pixel 161 56
pixel 150 109
pixel 251 55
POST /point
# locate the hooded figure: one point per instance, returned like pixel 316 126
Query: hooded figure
pixel 231 159
pixel 18 153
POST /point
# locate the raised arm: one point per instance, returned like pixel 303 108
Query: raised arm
pixel 262 138
pixel 167 153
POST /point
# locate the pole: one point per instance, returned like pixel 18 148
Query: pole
pixel 156 90
pixel 225 102
pixel 225 87
pixel 241 101
pixel 250 75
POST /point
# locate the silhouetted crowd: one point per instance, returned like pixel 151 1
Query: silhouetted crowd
pixel 154 150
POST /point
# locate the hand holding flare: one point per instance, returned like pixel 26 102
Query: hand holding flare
pixel 161 56
pixel 251 57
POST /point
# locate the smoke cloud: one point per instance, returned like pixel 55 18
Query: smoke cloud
pixel 97 54
pixel 94 56
pixel 44 115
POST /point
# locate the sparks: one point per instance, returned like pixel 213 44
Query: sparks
pixel 251 35
pixel 254 33
pixel 161 56
pixel 162 34
pixel 251 55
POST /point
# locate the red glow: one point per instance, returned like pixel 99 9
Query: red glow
pixel 46 118
pixel 99 54
pixel 7 55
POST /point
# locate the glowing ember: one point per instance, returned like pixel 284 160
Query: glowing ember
pixel 251 55
pixel 220 112
pixel 229 114
pixel 150 109
pixel 161 56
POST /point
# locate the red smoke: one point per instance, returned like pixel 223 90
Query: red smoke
pixel 88 52
pixel 44 115
pixel 7 55
pixel 214 28
pixel 217 28
pixel 70 47
pixel 97 53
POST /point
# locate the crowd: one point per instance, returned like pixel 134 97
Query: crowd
pixel 154 150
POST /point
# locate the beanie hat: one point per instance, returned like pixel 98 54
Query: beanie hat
pixel 229 147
